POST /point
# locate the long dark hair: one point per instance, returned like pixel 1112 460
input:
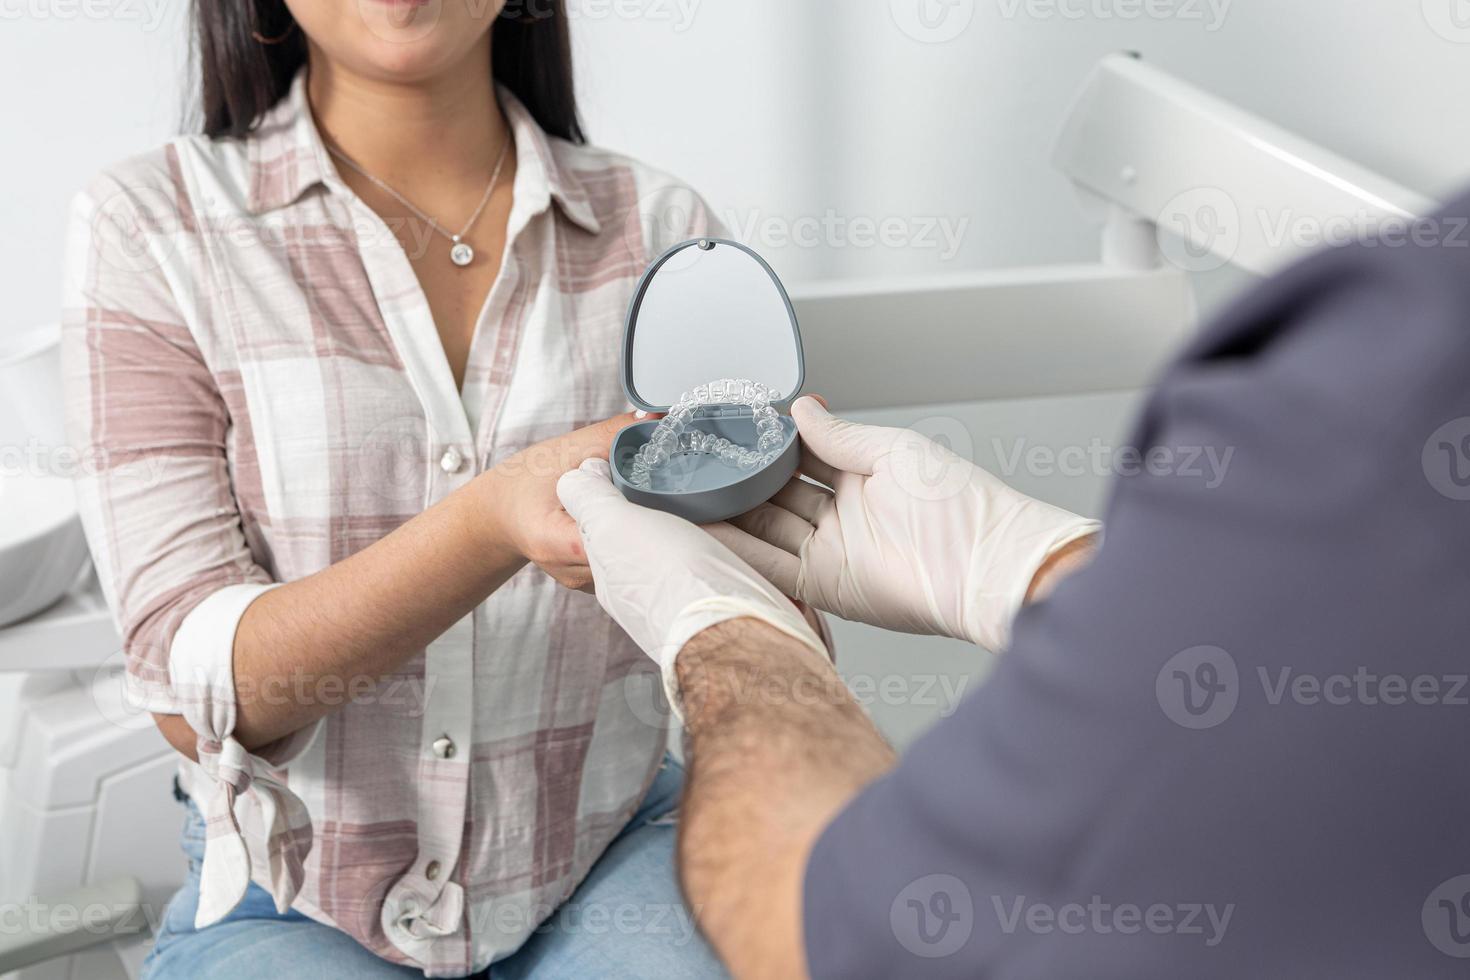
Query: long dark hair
pixel 241 76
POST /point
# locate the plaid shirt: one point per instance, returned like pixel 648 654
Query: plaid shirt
pixel 255 377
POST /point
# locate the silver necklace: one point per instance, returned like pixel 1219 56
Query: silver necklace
pixel 461 254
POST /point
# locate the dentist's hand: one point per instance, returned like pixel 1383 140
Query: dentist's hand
pixel 911 537
pixel 664 579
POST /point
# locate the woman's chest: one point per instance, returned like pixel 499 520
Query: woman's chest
pixel 344 404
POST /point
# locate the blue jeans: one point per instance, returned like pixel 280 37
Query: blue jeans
pixel 636 871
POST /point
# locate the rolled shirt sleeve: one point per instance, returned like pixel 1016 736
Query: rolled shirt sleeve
pixel 1233 745
pixel 151 430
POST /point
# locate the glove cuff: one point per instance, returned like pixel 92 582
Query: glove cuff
pixel 1003 568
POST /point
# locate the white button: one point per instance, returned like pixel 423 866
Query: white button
pixel 451 461
pixel 444 747
pixel 432 871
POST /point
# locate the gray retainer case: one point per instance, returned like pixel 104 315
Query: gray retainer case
pixel 704 310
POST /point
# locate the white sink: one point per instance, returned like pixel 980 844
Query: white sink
pixel 42 550
pixel 30 391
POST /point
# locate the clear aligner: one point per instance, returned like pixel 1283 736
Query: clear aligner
pixel 670 437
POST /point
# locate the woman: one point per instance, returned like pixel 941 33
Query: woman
pixel 355 320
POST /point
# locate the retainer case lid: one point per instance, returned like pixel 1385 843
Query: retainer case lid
pixel 709 309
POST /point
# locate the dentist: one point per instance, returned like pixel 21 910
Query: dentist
pixel 1228 743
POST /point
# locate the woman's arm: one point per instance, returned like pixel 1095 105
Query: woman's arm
pixel 215 648
pixel 347 625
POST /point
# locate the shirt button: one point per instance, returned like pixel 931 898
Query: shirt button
pixel 451 461
pixel 432 871
pixel 444 747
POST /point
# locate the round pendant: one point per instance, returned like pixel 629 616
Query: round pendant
pixel 461 254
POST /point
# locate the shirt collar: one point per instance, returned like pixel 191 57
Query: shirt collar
pixel 287 158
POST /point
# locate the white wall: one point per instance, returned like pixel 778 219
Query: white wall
pixel 785 113
pixel 783 110
pixel 87 82
pixel 790 107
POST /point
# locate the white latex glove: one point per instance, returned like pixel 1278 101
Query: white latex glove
pixel 911 537
pixel 663 579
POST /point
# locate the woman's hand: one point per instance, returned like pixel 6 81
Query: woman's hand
pixel 523 513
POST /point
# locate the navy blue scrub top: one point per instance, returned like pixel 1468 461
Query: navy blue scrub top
pixel 1238 744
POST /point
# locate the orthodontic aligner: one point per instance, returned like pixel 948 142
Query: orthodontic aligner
pixel 671 438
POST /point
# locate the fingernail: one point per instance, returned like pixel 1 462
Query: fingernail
pixel 640 414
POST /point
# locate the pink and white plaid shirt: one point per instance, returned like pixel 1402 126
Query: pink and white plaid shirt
pixel 253 369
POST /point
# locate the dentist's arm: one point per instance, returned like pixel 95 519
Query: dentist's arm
pixel 777 744
pixel 909 536
pixel 765 776
pixel 1066 560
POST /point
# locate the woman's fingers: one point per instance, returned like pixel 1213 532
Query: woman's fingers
pixel 595 440
pixel 776 525
pixel 805 500
pixel 780 568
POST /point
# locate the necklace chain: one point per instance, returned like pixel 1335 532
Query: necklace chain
pixel 383 185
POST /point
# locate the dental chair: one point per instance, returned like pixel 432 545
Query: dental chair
pixel 88 826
